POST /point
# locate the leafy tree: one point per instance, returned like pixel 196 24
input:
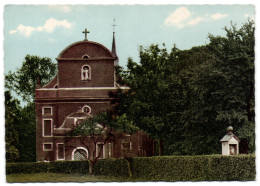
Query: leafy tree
pixel 24 80
pixel 12 118
pixel 100 128
pixel 150 102
pixel 188 98
pixel 220 79
pixel 22 119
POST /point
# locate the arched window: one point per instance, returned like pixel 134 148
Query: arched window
pixel 85 56
pixel 86 109
pixel 85 72
pixel 80 154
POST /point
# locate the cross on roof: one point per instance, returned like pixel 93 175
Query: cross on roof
pixel 114 24
pixel 86 32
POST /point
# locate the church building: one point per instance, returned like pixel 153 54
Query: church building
pixel 80 90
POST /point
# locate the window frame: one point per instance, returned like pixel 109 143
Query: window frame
pixel 43 125
pixel 85 107
pixel 89 72
pixel 43 113
pixel 47 143
pixel 57 151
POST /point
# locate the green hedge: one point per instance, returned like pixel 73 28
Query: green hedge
pixel 195 168
pixel 48 167
pixel 112 167
pixel 161 168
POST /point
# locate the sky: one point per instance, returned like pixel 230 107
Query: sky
pixel 45 30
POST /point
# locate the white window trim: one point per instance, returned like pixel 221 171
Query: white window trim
pixel 86 56
pixel 57 151
pixel 43 111
pixel 97 151
pixel 43 127
pixel 89 68
pixel 76 119
pixel 88 107
pixel 78 148
pixel 130 143
pixel 46 143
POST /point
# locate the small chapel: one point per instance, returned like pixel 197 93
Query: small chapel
pixel 80 90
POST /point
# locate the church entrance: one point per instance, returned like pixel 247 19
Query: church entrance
pixel 80 154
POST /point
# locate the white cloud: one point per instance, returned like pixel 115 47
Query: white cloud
pixel 218 16
pixel 182 17
pixel 52 23
pixel 49 26
pixel 195 21
pixel 178 18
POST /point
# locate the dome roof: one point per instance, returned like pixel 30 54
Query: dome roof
pixel 69 121
pixel 85 48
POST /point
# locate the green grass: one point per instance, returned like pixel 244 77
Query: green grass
pixel 56 177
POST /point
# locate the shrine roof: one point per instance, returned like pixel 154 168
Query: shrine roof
pixel 228 137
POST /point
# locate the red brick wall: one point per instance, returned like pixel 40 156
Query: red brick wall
pixel 102 73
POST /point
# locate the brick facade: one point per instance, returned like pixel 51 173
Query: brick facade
pixel 84 79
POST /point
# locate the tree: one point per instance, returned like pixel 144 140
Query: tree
pixel 220 88
pixel 150 102
pixel 100 128
pixel 24 80
pixel 235 55
pixel 12 118
pixel 20 121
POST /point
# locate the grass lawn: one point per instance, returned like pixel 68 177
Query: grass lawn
pixel 56 177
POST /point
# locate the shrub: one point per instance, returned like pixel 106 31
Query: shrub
pixel 161 168
pixel 112 167
pixel 195 168
pixel 48 167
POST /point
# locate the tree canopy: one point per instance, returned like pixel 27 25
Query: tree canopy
pixel 187 98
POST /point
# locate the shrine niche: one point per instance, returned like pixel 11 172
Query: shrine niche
pixel 230 143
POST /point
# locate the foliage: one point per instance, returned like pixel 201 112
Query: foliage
pixel 20 130
pixel 12 120
pixel 20 121
pixel 149 102
pixel 112 167
pixel 165 168
pixel 47 167
pixel 195 168
pixel 188 98
pixel 24 80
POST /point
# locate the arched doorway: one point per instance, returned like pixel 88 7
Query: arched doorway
pixel 80 154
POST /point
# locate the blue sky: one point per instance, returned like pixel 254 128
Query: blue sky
pixel 45 30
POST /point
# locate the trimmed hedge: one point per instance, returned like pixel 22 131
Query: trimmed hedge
pixel 48 167
pixel 195 168
pixel 161 168
pixel 112 167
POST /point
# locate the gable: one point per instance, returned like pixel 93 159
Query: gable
pixel 84 49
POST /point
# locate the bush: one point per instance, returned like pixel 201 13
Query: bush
pixel 195 168
pixel 112 167
pixel 48 167
pixel 161 168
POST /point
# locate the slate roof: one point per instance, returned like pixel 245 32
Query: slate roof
pixel 228 137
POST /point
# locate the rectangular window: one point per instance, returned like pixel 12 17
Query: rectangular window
pixel 100 149
pixel 47 146
pixel 127 146
pixel 47 127
pixel 46 111
pixel 60 151
pixel 110 147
